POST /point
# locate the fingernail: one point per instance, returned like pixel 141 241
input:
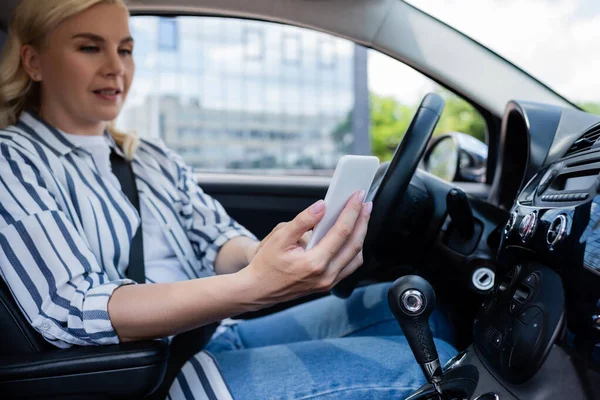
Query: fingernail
pixel 361 195
pixel 368 207
pixel 317 207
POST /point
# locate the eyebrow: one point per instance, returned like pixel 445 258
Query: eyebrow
pixel 98 38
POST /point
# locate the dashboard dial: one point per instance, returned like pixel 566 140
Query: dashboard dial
pixel 528 226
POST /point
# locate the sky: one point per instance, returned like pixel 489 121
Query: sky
pixel 557 41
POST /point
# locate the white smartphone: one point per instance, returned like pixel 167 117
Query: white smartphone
pixel 352 173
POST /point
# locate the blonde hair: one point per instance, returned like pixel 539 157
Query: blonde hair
pixel 32 21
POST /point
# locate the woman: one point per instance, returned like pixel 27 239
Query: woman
pixel 67 228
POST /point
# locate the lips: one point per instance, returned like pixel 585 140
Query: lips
pixel 108 91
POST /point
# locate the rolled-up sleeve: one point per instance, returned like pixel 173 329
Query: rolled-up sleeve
pixel 46 263
pixel 208 225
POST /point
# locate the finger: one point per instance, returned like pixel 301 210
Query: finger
pixel 353 246
pixel 266 238
pixel 342 229
pixel 350 268
pixel 305 239
pixel 277 228
pixel 303 222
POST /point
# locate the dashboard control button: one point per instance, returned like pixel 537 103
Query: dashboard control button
pixel 508 281
pixel 503 285
pixel 514 306
pixel 545 197
pixel 497 339
pixel 528 226
pixel 522 294
pixel 528 314
pixel 571 196
pixel 531 280
pixel 562 197
pixel 582 196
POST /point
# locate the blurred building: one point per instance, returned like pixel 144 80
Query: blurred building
pixel 237 94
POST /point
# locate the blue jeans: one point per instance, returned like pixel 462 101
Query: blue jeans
pixel 324 349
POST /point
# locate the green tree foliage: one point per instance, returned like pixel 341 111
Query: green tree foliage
pixel 460 116
pixel 390 119
pixel 593 108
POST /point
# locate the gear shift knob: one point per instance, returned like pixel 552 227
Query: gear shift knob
pixel 412 300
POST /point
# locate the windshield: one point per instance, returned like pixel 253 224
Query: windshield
pixel 556 41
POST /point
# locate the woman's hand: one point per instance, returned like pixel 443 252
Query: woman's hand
pixel 283 270
pixel 303 242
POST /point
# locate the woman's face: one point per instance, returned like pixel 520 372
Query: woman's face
pixel 85 69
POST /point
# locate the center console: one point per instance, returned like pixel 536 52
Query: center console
pixel 518 324
pixel 545 294
pixel 514 354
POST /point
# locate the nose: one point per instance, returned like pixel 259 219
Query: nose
pixel 114 65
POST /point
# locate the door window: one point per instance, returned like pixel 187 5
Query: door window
pixel 235 95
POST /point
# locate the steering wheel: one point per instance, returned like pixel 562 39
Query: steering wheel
pixel 387 192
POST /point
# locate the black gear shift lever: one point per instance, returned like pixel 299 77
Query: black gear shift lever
pixel 412 300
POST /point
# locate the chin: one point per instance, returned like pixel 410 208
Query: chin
pixel 107 115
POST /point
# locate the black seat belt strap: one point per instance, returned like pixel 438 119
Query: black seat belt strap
pixel 124 173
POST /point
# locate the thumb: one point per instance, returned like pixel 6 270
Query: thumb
pixel 304 222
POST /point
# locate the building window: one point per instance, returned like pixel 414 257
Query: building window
pixel 291 49
pixel 168 36
pixel 326 53
pixel 254 44
pixel 161 123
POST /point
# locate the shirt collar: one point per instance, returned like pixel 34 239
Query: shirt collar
pixel 56 140
pixel 113 144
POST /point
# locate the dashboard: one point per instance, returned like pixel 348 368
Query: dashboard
pixel 545 303
pixel 555 220
pixel 548 261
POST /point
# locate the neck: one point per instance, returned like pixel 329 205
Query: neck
pixel 72 125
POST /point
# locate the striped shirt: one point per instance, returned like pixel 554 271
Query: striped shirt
pixel 65 232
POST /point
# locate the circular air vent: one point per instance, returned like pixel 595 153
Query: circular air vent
pixel 510 224
pixel 528 226
pixel 556 231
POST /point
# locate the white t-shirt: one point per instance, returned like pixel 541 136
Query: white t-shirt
pixel 160 261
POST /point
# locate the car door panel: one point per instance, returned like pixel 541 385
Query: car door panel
pixel 260 203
